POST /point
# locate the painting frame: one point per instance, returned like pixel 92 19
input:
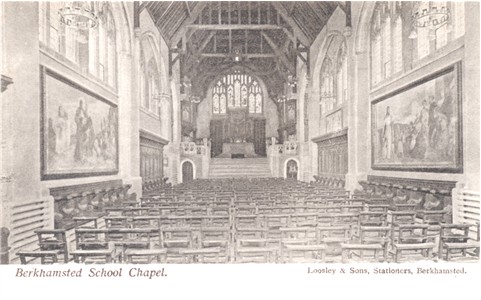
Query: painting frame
pixel 456 165
pixel 45 172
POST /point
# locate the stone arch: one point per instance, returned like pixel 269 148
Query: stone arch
pixel 123 27
pixel 181 179
pixel 362 38
pixel 332 35
pixel 159 59
pixel 298 164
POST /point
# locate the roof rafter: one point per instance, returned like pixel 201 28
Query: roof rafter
pixel 188 21
pixel 279 53
pixel 297 30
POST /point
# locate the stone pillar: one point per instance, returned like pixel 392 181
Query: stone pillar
pixel 358 112
pixel 471 91
pixel 129 147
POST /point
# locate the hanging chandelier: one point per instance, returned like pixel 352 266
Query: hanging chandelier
pixel 81 17
pixel 429 16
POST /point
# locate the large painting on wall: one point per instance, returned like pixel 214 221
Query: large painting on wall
pixel 418 128
pixel 79 130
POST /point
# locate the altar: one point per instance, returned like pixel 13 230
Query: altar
pixel 237 149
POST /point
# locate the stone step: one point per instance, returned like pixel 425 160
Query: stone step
pixel 239 168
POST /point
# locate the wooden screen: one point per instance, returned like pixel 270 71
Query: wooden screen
pixel 217 136
pixel 151 161
pixel 333 157
pixel 260 136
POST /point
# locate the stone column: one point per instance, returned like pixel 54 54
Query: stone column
pixel 471 91
pixel 129 147
pixel 358 112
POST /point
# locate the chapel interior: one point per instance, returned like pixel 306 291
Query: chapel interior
pixel 239 132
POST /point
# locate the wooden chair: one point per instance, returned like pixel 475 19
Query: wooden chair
pixel 46 257
pixel 86 221
pixel 377 207
pixel 399 218
pixel 296 236
pixel 371 239
pixel 146 221
pixel 413 238
pixel 202 255
pixel 52 244
pixel 458 238
pixel 304 219
pixel 372 219
pixel 252 245
pixel 403 207
pixel 304 253
pixel 246 209
pixel 432 217
pixel 142 245
pixel 145 256
pixel 252 220
pixel 332 237
pixel 216 237
pixel 93 246
pixel 175 239
pixel 116 221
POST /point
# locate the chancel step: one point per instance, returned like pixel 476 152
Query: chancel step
pixel 243 167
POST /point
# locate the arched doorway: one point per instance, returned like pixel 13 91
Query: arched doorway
pixel 187 171
pixel 292 169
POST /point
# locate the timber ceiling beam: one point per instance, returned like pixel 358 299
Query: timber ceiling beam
pixel 142 6
pixel 206 42
pixel 247 55
pixel 280 54
pixel 297 30
pixel 235 27
pixel 179 34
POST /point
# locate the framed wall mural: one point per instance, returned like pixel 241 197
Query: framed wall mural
pixel 419 127
pixel 79 130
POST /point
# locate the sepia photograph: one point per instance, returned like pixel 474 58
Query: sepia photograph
pixel 142 139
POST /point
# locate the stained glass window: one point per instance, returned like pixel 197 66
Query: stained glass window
pixel 237 90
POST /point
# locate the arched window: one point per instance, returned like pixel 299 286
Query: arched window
pixel 92 49
pixel 341 75
pixel 237 90
pixel 386 41
pixel 149 78
pixel 333 86
pixel 392 26
pixel 327 87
